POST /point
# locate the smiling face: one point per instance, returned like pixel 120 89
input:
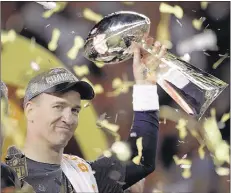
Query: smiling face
pixel 53 118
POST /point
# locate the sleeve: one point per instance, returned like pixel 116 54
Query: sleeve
pixel 113 175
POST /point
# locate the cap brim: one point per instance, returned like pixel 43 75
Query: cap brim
pixel 83 88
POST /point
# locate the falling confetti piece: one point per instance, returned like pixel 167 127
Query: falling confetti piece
pixel 176 10
pixel 20 93
pixel 122 150
pixel 204 4
pixel 128 2
pixel 217 63
pixel 186 173
pixel 120 87
pixel 91 15
pixel 139 145
pixel 78 44
pixel 52 46
pixel 201 151
pixel 35 66
pixel 99 64
pixel 86 105
pixel 186 57
pixel 197 23
pixel 221 171
pixel 184 156
pixel 47 5
pixel 9 36
pixel 98 89
pixel 225 117
pixel 81 70
pixel 181 126
pixel 107 153
pixel 59 7
pixel 179 22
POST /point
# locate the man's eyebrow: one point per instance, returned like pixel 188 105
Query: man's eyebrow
pixel 64 103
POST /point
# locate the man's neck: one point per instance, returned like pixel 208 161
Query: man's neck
pixel 42 152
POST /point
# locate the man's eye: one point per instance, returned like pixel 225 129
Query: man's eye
pixel 59 107
pixel 75 111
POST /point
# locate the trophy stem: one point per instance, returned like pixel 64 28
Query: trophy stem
pixel 191 88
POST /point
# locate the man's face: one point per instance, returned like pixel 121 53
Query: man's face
pixel 55 117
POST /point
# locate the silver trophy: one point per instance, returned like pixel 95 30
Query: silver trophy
pixel 110 41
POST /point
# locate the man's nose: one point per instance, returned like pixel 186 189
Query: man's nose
pixel 67 117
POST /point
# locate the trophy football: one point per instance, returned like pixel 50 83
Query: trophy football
pixel 110 41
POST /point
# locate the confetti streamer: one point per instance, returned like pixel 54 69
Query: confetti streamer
pixel 9 36
pixel 218 62
pixel 139 145
pixel 222 171
pixel 78 44
pixel 91 15
pixel 81 70
pixel 176 10
pixel 204 4
pixel 197 23
pixel 52 46
pixel 181 126
pixel 59 7
pixel 225 117
pixel 201 151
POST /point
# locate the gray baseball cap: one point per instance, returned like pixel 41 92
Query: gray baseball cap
pixel 57 80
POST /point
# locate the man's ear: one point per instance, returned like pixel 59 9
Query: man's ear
pixel 29 110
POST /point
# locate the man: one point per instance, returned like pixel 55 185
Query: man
pixel 52 106
pixel 9 179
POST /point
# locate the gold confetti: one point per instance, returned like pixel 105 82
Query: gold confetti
pixel 201 151
pixel 20 93
pixel 81 70
pixel 186 173
pixel 218 62
pixel 99 64
pixel 225 117
pixel 139 145
pixel 222 171
pixel 214 142
pixel 181 126
pixel 9 36
pixel 128 2
pixel 52 46
pixel 59 7
pixel 107 153
pixel 91 15
pixel 120 87
pixel 179 161
pixel 204 4
pixel 197 23
pixel 176 10
pixel 78 44
pixel 98 89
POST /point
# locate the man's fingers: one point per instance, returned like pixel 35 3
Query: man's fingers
pixel 163 51
pixel 156 47
pixel 136 56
